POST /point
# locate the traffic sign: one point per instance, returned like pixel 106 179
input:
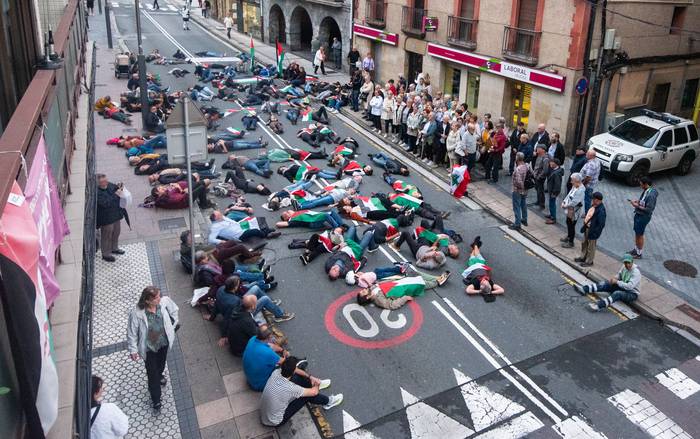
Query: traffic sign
pixel 582 86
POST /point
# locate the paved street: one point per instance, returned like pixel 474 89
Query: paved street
pixel 534 362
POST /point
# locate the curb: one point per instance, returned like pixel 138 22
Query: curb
pixel 637 306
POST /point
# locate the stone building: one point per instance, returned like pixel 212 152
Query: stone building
pixel 521 59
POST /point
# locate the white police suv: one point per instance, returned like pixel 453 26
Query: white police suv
pixel 648 143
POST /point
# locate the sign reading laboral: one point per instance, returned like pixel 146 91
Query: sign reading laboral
pixel 496 66
pixel 375 34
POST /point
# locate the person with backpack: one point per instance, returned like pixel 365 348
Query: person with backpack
pixel 523 180
pixel 107 421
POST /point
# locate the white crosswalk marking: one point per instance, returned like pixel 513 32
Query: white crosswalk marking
pixel 646 416
pixel 115 5
pixel 678 383
pixel 350 423
pixel 576 428
pixel 427 422
pixel 515 428
pixel 485 406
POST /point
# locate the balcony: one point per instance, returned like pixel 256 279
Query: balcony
pixel 375 13
pixel 412 21
pixel 461 32
pixel 521 44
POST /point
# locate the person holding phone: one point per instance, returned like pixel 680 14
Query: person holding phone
pixel 109 216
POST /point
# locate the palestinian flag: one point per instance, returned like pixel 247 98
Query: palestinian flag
pixel 460 181
pixel 371 203
pixel 301 195
pixel 307 115
pixel 392 228
pixel 325 239
pixel 353 167
pixel 303 154
pixel 402 186
pixel 307 216
pixel 252 55
pixel 234 131
pixel 280 58
pixel 249 223
pixel 279 156
pixel 326 130
pixel 408 286
pixel 24 302
pixel 476 266
pixel 343 150
pixel 430 236
pixel 353 250
pixel 303 172
pixel 405 200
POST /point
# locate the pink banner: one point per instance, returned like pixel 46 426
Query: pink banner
pixel 45 204
pixel 375 34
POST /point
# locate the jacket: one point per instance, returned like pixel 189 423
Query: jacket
pixel 541 168
pixel 376 105
pixel 412 123
pixel 110 422
pixel 514 140
pixel 559 153
pixel 577 163
pixel 597 223
pixel 633 276
pixel 453 141
pixel 344 258
pixel 388 109
pixel 499 143
pixel 648 198
pixel 239 328
pixel 137 327
pixel 108 209
pixel 536 139
pixel 554 181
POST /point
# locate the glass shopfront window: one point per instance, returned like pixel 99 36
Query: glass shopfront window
pixel 473 79
pixel 520 102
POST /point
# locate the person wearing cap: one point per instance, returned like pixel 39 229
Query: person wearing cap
pixel 540 170
pixel 477 275
pixel 624 287
pixel 643 209
pixel 593 225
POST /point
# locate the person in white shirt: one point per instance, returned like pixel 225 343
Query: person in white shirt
pixel 228 24
pixel 319 60
pixel 107 421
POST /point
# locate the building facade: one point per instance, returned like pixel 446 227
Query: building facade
pixel 304 26
pixel 520 59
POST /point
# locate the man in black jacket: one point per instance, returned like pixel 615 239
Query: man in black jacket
pixel 237 329
pixel 353 58
pixel 514 143
pixel 153 122
pixel 109 216
pixel 556 149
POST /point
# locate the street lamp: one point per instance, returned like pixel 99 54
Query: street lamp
pixel 143 87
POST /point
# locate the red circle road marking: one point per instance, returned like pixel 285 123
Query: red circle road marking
pixel 366 344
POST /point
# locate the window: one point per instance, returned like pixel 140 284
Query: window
pixel 527 14
pixel 681 136
pixel 693 133
pixel 666 139
pixel 677 20
pixel 473 90
pixel 690 92
pixel 466 9
pixel 635 132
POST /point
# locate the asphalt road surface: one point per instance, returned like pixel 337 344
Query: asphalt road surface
pixel 534 362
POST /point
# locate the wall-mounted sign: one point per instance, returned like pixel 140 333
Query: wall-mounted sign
pixel 581 86
pixel 499 67
pixel 375 34
pixel 430 24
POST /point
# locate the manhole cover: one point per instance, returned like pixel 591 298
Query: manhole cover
pixel 171 224
pixel 680 268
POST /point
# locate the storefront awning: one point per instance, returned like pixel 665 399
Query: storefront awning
pixel 375 34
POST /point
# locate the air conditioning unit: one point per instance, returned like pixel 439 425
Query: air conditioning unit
pixel 613 119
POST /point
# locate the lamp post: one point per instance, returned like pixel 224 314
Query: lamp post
pixel 143 87
pixel 190 183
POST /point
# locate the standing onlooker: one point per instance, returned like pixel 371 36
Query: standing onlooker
pixel 155 4
pixel 412 124
pixel 556 174
pixel 519 192
pixel 228 24
pixel 593 225
pixel 541 170
pixel 107 421
pixel 375 105
pixel 109 216
pixel 495 160
pixel 353 59
pixel 451 144
pixel 368 64
pixel 150 334
pixel 428 138
pixel 387 115
pixel 91 7
pixel 185 14
pixel 572 204
pixel 319 60
pixel 404 123
pixel 441 144
pixel 514 143
pixel 470 140
pixel 540 136
pixel 591 173
pixel 356 83
pixel 576 164
pixel 643 209
pixel 206 9
pixel 336 51
pixel 556 149
pixel 399 106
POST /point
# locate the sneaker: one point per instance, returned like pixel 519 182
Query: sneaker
pixel 261 263
pixel 277 302
pixel 579 259
pixel 295 204
pixel 395 247
pixel 284 317
pixel 514 227
pixel 302 364
pixel 109 258
pixel 334 401
pixel 635 255
pixel 273 235
pixel 593 307
pixel 550 221
pixel 157 405
pixel 324 384
pixel 442 279
pixel 269 279
pixel 585 264
pixel 431 163
pixel 579 289
pixel 372 250
pixel 564 239
pixel 118 252
pixel 524 223
pixel 272 286
pixel 304 259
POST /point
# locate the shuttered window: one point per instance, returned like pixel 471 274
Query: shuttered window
pixel 527 14
pixel 466 9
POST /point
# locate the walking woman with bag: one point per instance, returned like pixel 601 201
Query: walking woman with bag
pixel 107 421
pixel 150 334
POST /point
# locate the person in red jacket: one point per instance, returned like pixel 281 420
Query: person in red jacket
pixel 495 160
pixel 174 195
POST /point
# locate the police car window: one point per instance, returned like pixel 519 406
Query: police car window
pixel 666 139
pixel 693 133
pixel 681 135
pixel 635 132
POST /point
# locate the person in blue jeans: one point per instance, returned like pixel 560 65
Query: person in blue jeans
pixel 391 165
pixel 310 219
pixel 259 166
pixel 519 192
pixel 236 145
pixel 328 198
pixel 624 287
pixel 229 295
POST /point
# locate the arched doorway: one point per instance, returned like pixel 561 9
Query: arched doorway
pixel 300 30
pixel 278 31
pixel 328 30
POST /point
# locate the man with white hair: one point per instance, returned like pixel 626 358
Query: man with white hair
pixel 541 136
pixel 468 145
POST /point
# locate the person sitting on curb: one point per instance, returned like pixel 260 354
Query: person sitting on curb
pixel 624 287
pixel 477 275
pixel 229 296
pixel 289 389
pixel 237 330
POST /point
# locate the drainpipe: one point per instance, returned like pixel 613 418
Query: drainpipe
pixel 583 100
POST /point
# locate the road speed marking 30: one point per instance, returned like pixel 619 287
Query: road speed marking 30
pixel 366 327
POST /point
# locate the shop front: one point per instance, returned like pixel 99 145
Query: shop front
pixel 462 83
pixel 378 41
pixel 248 18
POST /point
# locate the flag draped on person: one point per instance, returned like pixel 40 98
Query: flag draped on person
pixel 371 203
pixel 392 228
pixel 252 55
pixel 249 223
pixel 460 179
pixel 280 58
pixel 408 286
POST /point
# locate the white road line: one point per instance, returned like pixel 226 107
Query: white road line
pixel 496 365
pixel 170 37
pixel 678 383
pixel 515 428
pixel 428 423
pixel 115 5
pixel 646 416
pixel 352 430
pixel 576 428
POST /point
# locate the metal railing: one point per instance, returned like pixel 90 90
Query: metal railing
pixel 521 44
pixel 412 20
pixel 375 13
pixel 461 31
